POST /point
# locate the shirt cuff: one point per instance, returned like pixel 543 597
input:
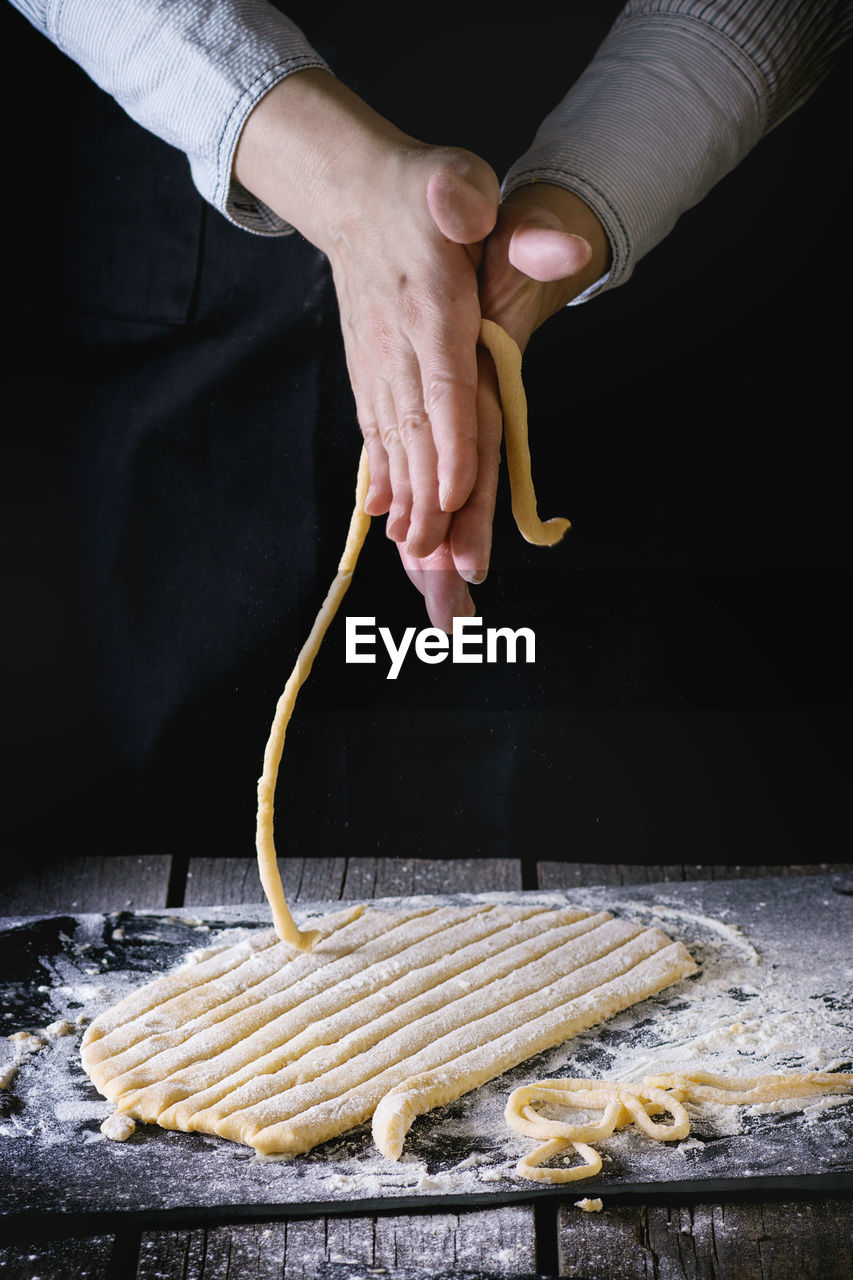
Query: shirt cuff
pixel 190 73
pixel 666 108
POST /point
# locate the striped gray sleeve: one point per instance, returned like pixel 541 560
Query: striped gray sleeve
pixel 678 93
pixel 189 71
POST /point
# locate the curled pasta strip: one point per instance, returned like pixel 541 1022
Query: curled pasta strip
pixel 529 1122
pixel 624 1104
pixel 507 357
pixel 521 1116
pixel 674 1132
pixel 529 1165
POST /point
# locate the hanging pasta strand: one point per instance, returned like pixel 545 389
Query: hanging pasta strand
pixel 507 357
pixel 283 921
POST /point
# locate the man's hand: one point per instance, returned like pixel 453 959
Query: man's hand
pixel 402 224
pixel 547 247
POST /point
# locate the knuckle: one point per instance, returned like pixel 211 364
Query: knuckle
pixel 370 431
pixel 390 438
pixel 439 386
pixel 411 308
pixel 413 423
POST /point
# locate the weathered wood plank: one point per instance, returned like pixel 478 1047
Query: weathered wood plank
pixel 398 877
pixel 568 875
pixel 799 1241
pixel 214 882
pixel 223 881
pixel 90 884
pixel 172 1255
pixel 502 1238
pixel 87 1258
pixel 363 1271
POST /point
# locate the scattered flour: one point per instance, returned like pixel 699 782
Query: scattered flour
pixel 24 1045
pixel 759 1003
pixel 62 1027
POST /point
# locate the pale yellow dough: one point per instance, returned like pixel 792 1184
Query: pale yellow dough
pixel 283 921
pixel 295 1036
pixel 624 1104
pixel 507 357
pixel 391 1012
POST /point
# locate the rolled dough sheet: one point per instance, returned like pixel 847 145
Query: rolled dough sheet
pixel 772 993
pixel 282 1050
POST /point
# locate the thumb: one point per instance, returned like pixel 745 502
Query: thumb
pixel 464 207
pixel 540 249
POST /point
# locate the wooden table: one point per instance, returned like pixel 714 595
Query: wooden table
pixel 773 1240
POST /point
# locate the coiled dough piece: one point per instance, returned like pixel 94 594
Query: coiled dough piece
pixel 392 1012
pixel 622 1104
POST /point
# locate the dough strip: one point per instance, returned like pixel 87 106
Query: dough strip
pixel 321 1006
pixel 371 1021
pixel 523 1029
pixel 635 1103
pixel 507 358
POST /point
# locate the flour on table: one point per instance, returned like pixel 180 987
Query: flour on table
pixel 787 1009
pixel 391 1014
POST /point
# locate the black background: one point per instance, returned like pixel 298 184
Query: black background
pixel 180 458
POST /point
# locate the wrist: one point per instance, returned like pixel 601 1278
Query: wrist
pixel 313 152
pixel 511 291
pixel 576 218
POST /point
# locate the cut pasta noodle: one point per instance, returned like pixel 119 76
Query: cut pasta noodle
pixel 392 1013
pixel 507 358
pixel 283 921
pixel 530 1166
pixel 703 1086
pixel 624 1104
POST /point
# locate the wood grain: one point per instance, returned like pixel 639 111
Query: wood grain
pixel 78 884
pixel 569 875
pixel 298 1249
pixel 223 881
pixel 709 1242
pixel 214 882
pixel 86 1258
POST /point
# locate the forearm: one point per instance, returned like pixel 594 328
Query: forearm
pixel 318 156
pixel 191 74
pixel 401 223
pixel 672 102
